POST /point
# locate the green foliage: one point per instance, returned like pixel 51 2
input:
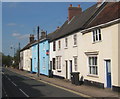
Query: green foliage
pixel 11 61
pixel 16 60
pixel 7 60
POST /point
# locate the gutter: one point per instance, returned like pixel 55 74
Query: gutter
pixel 101 25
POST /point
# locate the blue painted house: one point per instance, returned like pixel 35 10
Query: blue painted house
pixel 43 55
pixel 34 57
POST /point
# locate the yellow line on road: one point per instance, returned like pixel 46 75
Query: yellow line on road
pixel 78 93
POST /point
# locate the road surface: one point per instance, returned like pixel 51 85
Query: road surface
pixel 16 85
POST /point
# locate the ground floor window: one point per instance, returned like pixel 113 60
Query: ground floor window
pixel 93 65
pixel 43 62
pixel 58 62
pixel 75 63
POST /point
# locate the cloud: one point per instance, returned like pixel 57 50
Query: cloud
pixel 16 34
pixel 11 24
pixel 24 36
pixel 20 36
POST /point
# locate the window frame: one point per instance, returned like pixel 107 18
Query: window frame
pixel 75 63
pixel 66 42
pixel 75 40
pixel 58 62
pixel 96 35
pixel 59 45
pixel 93 66
pixel 54 46
pixel 44 63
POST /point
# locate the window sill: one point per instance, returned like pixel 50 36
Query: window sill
pixel 74 45
pixel 66 48
pixel 58 70
pixel 90 75
pixel 96 42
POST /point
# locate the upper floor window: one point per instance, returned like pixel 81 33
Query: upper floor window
pixel 93 68
pixel 66 42
pixel 97 35
pixel 43 46
pixel 59 44
pixel 54 46
pixel 75 39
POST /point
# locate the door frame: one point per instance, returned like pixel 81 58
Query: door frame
pixel 106 73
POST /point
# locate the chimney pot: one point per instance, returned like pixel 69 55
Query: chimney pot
pixel 70 5
pixel 58 27
pixel 79 6
pixel 99 2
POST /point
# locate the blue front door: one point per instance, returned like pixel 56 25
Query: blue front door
pixel 108 73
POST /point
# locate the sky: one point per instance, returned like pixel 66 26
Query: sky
pixel 20 19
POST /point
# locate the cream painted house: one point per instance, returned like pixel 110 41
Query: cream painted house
pixel 26 56
pixel 89 46
pixel 27 59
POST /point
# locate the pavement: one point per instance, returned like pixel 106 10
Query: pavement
pixel 81 90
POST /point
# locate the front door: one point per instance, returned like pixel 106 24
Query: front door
pixel 108 73
pixel 66 63
pixel 31 64
pixel 70 67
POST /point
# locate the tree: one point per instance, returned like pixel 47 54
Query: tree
pixel 16 59
pixel 6 60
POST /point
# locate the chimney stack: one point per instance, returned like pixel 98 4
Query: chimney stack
pixel 31 38
pixel 99 2
pixel 43 34
pixel 73 11
pixel 58 27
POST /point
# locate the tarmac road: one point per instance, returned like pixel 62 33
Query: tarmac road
pixel 16 85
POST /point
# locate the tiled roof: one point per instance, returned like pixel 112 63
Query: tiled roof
pixel 93 16
pixel 109 13
pixel 28 46
pixel 77 23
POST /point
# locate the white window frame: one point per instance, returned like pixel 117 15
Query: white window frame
pixel 75 40
pixel 43 62
pixel 59 45
pixel 93 65
pixel 43 46
pixel 96 35
pixel 75 63
pixel 66 42
pixel 58 62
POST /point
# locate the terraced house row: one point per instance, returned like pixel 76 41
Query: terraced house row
pixel 87 44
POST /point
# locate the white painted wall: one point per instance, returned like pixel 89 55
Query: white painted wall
pixel 26 59
pixel 107 48
pixel 52 53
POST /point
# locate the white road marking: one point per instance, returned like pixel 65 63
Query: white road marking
pixel 5 92
pixel 23 92
pixel 14 84
pixel 8 78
